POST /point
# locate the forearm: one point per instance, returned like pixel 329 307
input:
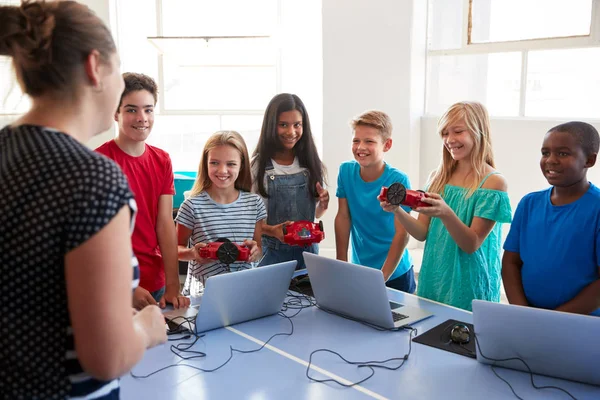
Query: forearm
pixel 394 255
pixel 413 226
pixel 585 302
pixel 342 237
pixel 466 239
pixel 167 241
pixel 513 284
pixel 185 253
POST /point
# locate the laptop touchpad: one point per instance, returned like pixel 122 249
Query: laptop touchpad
pixel 394 306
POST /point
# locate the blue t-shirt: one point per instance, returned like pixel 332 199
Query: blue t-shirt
pixel 559 246
pixel 372 229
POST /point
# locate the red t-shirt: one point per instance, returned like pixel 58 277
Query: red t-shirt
pixel 150 176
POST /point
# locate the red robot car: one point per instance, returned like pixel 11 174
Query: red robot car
pixel 225 251
pixel 397 194
pixel 303 233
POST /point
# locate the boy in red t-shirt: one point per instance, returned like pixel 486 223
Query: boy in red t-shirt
pixel 150 175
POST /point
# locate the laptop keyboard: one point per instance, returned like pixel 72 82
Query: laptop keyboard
pixel 398 317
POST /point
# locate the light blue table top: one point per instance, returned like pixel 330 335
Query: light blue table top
pixel 279 370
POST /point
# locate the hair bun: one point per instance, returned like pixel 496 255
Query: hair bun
pixel 26 33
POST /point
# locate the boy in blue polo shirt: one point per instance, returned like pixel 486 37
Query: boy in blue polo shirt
pixel 378 240
pixel 552 252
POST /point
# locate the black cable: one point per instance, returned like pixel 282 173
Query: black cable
pixel 526 366
pixel 183 348
pixel 364 364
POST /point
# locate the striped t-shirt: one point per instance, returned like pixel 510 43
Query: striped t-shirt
pixel 209 221
pixel 56 194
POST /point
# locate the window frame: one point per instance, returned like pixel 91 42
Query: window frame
pixel 522 46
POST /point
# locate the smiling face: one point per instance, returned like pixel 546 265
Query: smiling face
pixel 563 161
pixel 368 146
pixel 289 128
pixel 224 164
pixel 136 115
pixel 458 140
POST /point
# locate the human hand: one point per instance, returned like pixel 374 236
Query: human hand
pixel 388 206
pixel 255 252
pixel 196 253
pixel 277 230
pixel 323 196
pixel 150 324
pixel 173 296
pixel 438 207
pixel 142 298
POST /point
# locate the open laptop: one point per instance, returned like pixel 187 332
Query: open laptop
pixel 552 343
pixel 237 297
pixel 357 292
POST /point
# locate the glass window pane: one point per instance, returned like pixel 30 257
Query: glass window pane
pixel 136 21
pixel 183 137
pixel 508 20
pixel 445 24
pixel 247 125
pixel 218 88
pixel 492 79
pixel 12 99
pixel 219 18
pixel 563 83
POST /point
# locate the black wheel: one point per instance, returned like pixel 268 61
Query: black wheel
pixel 228 252
pixel 396 193
pixel 321 226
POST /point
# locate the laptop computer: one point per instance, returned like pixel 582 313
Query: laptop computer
pixel 237 297
pixel 552 343
pixel 357 292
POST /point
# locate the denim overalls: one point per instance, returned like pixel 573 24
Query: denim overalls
pixel 289 200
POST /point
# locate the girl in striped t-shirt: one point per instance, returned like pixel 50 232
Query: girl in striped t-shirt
pixel 220 206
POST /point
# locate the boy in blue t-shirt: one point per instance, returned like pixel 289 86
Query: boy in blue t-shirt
pixel 552 252
pixel 378 240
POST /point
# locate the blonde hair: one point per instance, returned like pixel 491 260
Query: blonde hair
pixel 477 121
pixel 224 138
pixel 375 119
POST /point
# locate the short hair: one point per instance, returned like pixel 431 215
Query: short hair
pixel 49 42
pixel 375 119
pixel 585 134
pixel 135 82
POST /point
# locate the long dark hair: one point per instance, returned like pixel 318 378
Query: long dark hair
pixel 269 143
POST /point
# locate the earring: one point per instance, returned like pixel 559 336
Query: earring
pixel 99 88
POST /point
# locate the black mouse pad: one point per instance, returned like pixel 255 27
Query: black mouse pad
pixel 439 337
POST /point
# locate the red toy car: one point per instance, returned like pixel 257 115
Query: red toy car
pixel 303 233
pixel 397 194
pixel 225 251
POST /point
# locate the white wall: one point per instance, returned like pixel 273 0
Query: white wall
pixel 373 58
pixel 102 9
pixel 516 144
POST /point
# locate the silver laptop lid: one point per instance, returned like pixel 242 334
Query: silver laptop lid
pixel 552 343
pixel 349 289
pixel 244 295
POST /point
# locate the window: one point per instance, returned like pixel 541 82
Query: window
pixel 514 58
pixel 218 63
pixel 12 100
pixel 508 20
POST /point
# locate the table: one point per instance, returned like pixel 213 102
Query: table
pixel 279 370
